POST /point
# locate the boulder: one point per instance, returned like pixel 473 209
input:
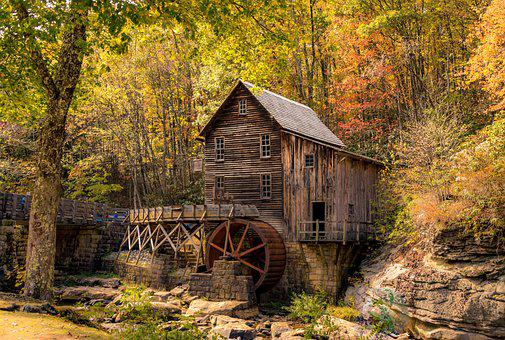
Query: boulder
pixel 234 330
pixel 85 293
pixel 343 329
pixel 161 296
pixel 40 309
pixel 239 309
pixel 179 291
pixel 277 328
pixel 165 309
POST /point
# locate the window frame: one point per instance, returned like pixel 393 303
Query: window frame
pixel 217 151
pixel 262 187
pixel 242 107
pixel 218 179
pixel 311 155
pixel 269 145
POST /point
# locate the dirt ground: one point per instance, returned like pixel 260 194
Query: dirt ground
pixel 20 325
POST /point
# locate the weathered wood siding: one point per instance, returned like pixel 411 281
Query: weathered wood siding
pixel 242 166
pixel 336 179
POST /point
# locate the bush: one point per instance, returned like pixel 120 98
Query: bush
pixel 307 308
pixel 344 312
pixel 439 177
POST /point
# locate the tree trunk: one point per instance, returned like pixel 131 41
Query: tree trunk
pixel 41 248
pixel 60 87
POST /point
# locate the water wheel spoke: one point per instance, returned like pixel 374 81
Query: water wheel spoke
pixel 242 238
pixel 231 242
pixel 218 248
pixel 261 245
pixel 261 271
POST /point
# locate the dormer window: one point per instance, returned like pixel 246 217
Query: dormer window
pixel 220 149
pixel 242 107
pixel 265 146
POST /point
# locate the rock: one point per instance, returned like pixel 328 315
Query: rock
pixel 100 281
pixel 40 309
pixel 234 330
pixel 166 309
pixel 446 333
pixel 161 296
pixel 349 330
pixel 85 293
pixel 179 290
pixel 10 308
pixel 111 327
pixel 280 327
pixel 115 302
pixel 239 309
pixel 450 282
pixel 216 320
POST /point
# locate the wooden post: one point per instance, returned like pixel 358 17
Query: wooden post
pixel 358 231
pixel 317 231
pixel 345 232
pixel 297 231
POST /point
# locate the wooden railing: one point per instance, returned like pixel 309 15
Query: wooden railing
pixel 335 231
pixel 17 207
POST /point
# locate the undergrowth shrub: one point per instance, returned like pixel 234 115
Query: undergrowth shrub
pixel 439 176
pixel 382 322
pixel 308 307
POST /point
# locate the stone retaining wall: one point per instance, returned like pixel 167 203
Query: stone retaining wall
pixel 311 267
pixel 79 249
pixel 162 273
pixel 229 281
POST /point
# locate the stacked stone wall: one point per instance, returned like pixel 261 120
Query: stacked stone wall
pixel 312 267
pixel 229 281
pixel 162 273
pixel 79 249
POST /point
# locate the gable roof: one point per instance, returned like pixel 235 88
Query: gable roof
pixel 290 115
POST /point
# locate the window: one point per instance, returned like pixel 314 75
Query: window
pixel 219 183
pixel 242 107
pixel 266 186
pixel 350 211
pixel 309 160
pixel 220 149
pixel 265 146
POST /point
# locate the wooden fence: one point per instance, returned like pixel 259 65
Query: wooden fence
pixel 17 207
pixel 335 231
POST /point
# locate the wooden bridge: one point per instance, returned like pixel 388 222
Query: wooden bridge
pixel 71 212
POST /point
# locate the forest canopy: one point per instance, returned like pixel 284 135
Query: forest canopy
pixel 416 84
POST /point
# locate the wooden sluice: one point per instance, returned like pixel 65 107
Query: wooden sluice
pixel 181 227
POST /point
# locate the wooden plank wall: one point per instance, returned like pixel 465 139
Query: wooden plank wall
pixel 336 178
pixel 243 166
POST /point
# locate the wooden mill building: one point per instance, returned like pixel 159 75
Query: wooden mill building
pixel 265 150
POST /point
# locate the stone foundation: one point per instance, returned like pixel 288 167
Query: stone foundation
pixel 229 281
pixel 79 249
pixel 311 267
pixel 162 273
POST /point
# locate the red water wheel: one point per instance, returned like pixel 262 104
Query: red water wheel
pixel 256 244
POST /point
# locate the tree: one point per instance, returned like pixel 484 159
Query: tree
pixel 53 38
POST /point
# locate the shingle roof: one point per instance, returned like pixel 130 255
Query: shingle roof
pixel 294 117
pixel 290 115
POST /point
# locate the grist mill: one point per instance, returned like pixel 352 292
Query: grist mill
pixel 283 198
